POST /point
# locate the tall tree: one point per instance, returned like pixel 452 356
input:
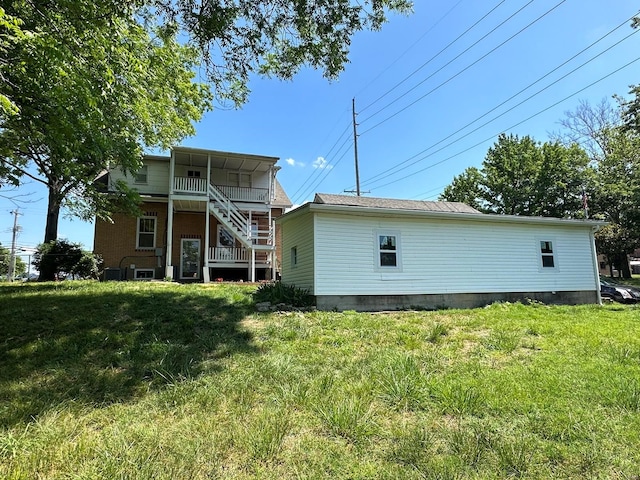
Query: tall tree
pixel 615 192
pixel 521 177
pixel 89 96
pixel 90 84
pixel 467 188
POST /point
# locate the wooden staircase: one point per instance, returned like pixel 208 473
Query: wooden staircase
pixel 230 215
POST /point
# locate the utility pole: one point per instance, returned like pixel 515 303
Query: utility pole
pixel 12 258
pixel 355 145
pixel 355 149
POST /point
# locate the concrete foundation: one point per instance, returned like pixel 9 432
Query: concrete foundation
pixel 372 303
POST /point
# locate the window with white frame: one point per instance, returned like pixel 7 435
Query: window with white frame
pixel 388 250
pixel 547 254
pixel 141 175
pixel 146 234
pixel 238 179
pixel 143 274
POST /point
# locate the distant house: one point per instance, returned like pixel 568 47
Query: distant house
pixel 373 254
pixel 206 215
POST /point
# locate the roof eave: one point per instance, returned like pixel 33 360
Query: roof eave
pixel 476 217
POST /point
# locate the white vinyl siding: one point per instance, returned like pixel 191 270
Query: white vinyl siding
pixel 448 256
pixel 157 178
pixel 298 234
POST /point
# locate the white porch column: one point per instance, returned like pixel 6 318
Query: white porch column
pixel 172 172
pixel 168 267
pixel 205 267
pixel 273 265
pixel 252 266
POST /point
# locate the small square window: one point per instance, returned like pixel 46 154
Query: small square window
pixel 141 175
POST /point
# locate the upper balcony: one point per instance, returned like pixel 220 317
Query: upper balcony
pixel 198 186
pixel 240 177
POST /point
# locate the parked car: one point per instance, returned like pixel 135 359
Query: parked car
pixel 610 288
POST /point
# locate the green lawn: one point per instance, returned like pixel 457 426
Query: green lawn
pixel 166 381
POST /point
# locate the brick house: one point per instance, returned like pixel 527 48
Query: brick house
pixel 205 215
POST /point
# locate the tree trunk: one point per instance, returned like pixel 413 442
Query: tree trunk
pixel 47 271
pixel 624 265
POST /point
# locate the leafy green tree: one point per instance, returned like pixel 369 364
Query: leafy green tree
pixel 272 37
pixel 89 84
pixel 521 177
pixel 66 258
pixel 89 96
pixel 467 188
pixel 614 194
pixel 5 260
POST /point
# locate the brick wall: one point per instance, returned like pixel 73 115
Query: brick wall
pixel 116 242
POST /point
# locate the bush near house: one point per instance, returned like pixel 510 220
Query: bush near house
pixel 65 258
pixel 161 380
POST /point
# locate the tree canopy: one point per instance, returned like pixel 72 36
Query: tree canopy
pixel 88 85
pixel 520 176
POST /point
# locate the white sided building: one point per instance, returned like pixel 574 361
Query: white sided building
pixel 366 254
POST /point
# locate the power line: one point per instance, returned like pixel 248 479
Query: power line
pixel 395 168
pixel 328 170
pixel 457 74
pixel 315 171
pixel 434 57
pixel 512 126
pixel 397 59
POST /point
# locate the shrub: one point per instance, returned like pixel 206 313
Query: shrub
pixel 277 292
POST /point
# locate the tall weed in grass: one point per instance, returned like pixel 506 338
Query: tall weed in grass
pixel 264 437
pixel 401 383
pixel 456 399
pixel 469 443
pixel 503 340
pixel 347 416
pixel 413 446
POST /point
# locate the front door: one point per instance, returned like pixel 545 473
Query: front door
pixel 190 258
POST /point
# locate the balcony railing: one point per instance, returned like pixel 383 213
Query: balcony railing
pixel 245 194
pixel 234 255
pixel 198 186
pixel 190 185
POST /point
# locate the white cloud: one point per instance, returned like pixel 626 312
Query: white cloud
pixel 321 163
pixel 294 163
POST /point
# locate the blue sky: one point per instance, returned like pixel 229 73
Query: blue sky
pixel 432 91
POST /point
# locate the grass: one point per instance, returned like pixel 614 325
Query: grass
pixel 167 381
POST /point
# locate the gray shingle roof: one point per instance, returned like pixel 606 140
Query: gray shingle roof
pixel 282 199
pixel 392 203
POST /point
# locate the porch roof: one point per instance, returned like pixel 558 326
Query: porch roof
pixel 224 160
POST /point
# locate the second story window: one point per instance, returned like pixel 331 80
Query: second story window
pixel 193 173
pixel 146 235
pixel 237 179
pixel 141 175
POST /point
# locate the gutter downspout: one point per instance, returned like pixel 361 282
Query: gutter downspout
pixel 594 260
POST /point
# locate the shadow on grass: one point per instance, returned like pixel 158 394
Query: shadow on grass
pixel 96 345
